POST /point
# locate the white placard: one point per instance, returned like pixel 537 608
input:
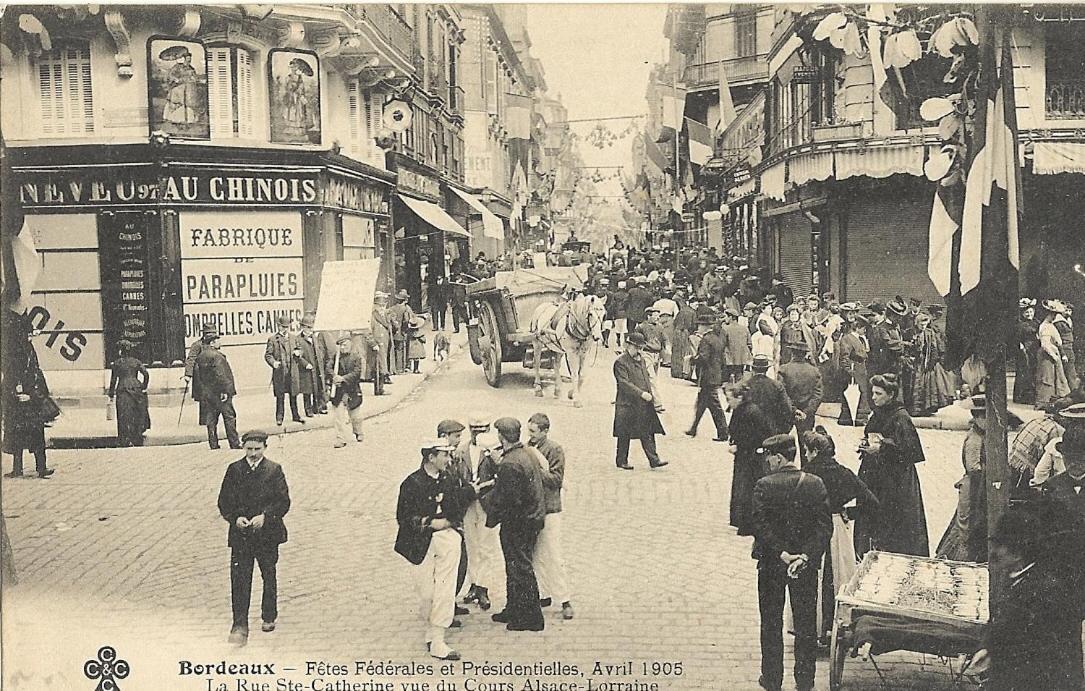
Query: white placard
pixel 241 280
pixel 233 234
pixel 346 294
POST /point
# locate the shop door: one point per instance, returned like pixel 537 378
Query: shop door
pixel 795 245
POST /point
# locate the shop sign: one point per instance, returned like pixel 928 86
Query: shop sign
pixel 241 270
pixel 411 181
pixel 139 185
pixel 355 195
pixel 126 292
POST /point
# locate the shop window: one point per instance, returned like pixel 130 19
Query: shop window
pixel 746 33
pixel 65 90
pixel 364 112
pixel 1064 68
pixel 231 90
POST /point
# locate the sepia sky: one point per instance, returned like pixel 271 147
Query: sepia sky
pixel 597 58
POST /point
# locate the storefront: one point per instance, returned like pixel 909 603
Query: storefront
pixel 427 238
pixel 146 246
pixel 487 230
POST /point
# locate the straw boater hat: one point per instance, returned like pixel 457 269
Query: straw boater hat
pixel 760 363
pixel 850 307
pixel 897 306
pixel 1055 306
pixel 478 421
pixel 1026 302
pixel 416 323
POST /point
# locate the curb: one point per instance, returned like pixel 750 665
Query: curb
pixel 199 436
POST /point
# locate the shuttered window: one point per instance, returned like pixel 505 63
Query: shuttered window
pixel 353 110
pixel 231 90
pixel 490 74
pixel 65 91
pixel 364 112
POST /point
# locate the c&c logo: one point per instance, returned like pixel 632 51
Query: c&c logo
pixel 106 669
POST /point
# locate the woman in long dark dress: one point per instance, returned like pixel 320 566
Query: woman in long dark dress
pixel 1028 348
pixel 748 429
pixel 889 452
pixel 680 350
pixel 933 388
pixel 28 407
pixel 128 388
pixel 965 538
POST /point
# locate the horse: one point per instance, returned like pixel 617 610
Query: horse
pixel 567 329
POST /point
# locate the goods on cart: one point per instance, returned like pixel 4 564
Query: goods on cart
pixel 928 585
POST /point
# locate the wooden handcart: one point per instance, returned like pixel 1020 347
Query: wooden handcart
pixel 871 613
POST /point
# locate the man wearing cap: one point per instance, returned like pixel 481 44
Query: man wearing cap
pixel 709 362
pixel 399 315
pixel 517 503
pixel 769 395
pixel 283 356
pixel 217 391
pixel 549 562
pixel 473 462
pixel 635 413
pixel 253 499
pixel 312 373
pixel 792 525
pixel 208 333
pixel 429 512
pixel 346 392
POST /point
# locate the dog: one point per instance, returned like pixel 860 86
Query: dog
pixel 440 346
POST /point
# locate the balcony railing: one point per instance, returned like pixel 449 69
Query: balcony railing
pixel 1066 99
pixel 738 71
pixel 388 23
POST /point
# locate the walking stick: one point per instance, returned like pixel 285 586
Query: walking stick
pixel 183 397
pixel 335 372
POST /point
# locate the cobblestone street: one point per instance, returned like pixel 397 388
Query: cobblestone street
pixel 125 547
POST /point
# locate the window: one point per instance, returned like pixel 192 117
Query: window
pixel 365 113
pixel 746 33
pixel 231 92
pixel 490 80
pixel 66 94
pixel 1064 67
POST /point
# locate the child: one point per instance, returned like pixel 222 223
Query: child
pixel 416 342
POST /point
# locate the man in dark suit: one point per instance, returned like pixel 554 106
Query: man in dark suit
pixel 346 392
pixel 312 373
pixel 217 391
pixel 283 356
pixel 802 381
pixel 380 345
pixel 208 333
pixel 429 512
pixel 770 396
pixel 635 415
pixel 886 346
pixel 640 299
pixel 791 526
pixel 517 503
pixel 709 361
pixel 253 499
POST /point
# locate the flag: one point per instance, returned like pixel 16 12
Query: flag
pixel 982 302
pixel 518 116
pixel 27 266
pixel 945 222
pixel 700 142
pixel 674 106
pixel 727 106
pixel 656 156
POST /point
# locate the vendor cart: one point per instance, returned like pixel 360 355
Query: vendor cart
pixel 901 602
pixel 500 310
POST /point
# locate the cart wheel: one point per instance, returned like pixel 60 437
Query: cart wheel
pixel 838 650
pixel 490 341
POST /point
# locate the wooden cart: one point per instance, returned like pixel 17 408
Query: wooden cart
pixel 500 310
pixel 948 636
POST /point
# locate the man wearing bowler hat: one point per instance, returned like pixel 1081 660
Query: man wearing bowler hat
pixel 635 415
pixel 217 391
pixel 312 372
pixel 769 395
pixel 284 356
pixel 253 499
pixel 208 333
pixel 709 360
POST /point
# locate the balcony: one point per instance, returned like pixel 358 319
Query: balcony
pixel 388 24
pixel 1065 99
pixel 739 71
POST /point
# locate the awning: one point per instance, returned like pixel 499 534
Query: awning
pixel 434 216
pixel 880 161
pixel 491 224
pixel 773 182
pixel 1050 158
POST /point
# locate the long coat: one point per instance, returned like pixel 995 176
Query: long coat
pixel 24 421
pixel 802 381
pixel 312 379
pixel 771 397
pixel 380 325
pixel 680 348
pixel 286 378
pixel 900 524
pixel 634 418
pixel 738 344
pixel 246 492
pixel 709 361
pixel 749 428
pixel 216 375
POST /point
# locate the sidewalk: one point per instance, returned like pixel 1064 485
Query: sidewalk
pixel 952 417
pixel 81 428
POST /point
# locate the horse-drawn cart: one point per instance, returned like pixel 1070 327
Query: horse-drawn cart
pixel 500 310
pixel 900 602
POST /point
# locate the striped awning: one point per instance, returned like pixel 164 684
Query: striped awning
pixel 1051 158
pixel 491 224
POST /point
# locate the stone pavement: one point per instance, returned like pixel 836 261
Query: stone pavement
pixel 81 428
pixel 125 547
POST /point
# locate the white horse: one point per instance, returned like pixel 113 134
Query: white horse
pixel 567 329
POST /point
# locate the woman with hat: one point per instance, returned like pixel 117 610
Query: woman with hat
pixel 932 389
pixel 890 451
pixel 1051 381
pixel 1028 349
pixel 749 428
pixel 965 538
pixel 680 346
pixel 128 388
pixel 28 407
pixel 416 342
